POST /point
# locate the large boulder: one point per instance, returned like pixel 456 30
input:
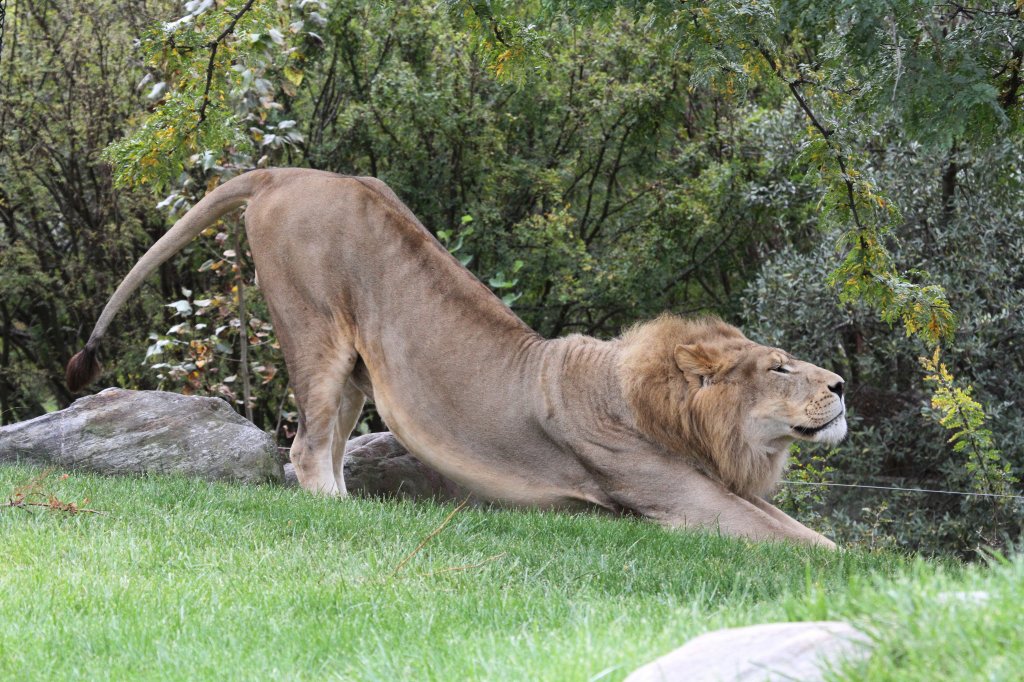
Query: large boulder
pixel 377 465
pixel 118 431
pixel 759 653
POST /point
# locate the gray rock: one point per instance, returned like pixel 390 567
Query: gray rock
pixel 776 652
pixel 118 431
pixel 377 465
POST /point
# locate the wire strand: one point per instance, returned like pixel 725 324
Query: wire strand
pixel 906 490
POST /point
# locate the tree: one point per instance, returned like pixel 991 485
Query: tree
pixel 68 87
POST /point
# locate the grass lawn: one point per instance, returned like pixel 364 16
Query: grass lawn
pixel 181 579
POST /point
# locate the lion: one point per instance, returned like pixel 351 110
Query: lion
pixel 683 421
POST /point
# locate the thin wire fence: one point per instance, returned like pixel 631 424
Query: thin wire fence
pixel 906 490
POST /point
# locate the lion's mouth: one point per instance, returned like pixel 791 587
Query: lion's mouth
pixel 809 431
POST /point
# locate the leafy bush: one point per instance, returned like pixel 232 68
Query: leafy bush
pixel 972 244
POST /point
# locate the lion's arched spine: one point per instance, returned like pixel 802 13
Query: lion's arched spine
pixel 84 367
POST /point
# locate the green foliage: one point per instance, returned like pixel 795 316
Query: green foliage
pixel 801 493
pixel 574 173
pixel 199 353
pixel 209 70
pixel 974 242
pixel 66 236
pixel 826 93
pixel 957 411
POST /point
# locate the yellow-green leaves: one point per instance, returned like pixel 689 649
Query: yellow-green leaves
pixel 956 409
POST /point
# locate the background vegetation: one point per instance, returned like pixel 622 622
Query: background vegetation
pixel 843 181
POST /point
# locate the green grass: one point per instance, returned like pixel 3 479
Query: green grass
pixel 188 580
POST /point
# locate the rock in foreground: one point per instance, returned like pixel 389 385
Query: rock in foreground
pixel 118 431
pixel 760 653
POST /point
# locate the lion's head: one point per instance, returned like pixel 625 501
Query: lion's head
pixel 704 390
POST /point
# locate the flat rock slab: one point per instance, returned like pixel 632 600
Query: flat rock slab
pixel 760 653
pixel 118 431
pixel 377 465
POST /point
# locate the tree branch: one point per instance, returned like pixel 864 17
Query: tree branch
pixel 213 58
pixel 826 133
pixel 1009 96
pixel 243 330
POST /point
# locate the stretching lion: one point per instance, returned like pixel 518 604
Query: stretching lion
pixel 683 421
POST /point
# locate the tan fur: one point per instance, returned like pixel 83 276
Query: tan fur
pixel 682 421
pixel 691 388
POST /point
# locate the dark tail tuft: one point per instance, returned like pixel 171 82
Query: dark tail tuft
pixel 83 369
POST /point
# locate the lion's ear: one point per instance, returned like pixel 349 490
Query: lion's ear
pixel 697 359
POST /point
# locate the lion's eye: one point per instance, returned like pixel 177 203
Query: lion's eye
pixel 781 369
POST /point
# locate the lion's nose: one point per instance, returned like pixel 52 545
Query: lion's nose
pixel 837 388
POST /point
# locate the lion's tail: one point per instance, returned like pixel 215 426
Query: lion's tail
pixel 84 367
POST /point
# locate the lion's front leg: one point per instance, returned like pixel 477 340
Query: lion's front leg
pixel 676 494
pixel 792 524
pixel 735 516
